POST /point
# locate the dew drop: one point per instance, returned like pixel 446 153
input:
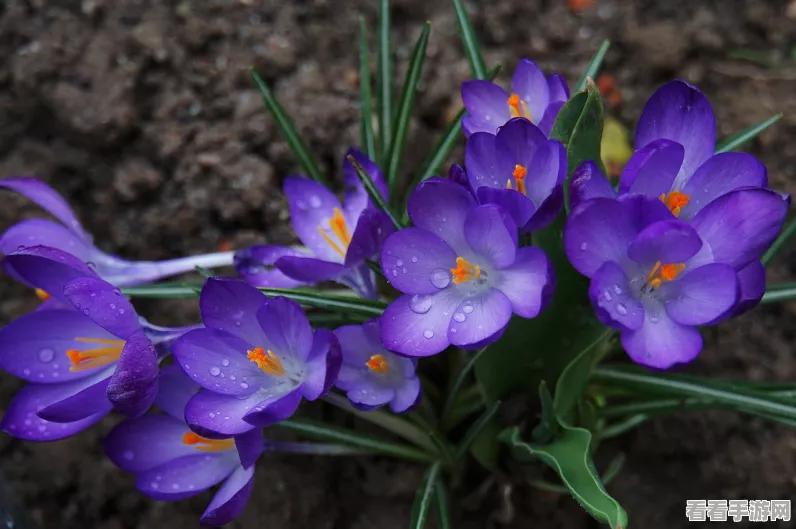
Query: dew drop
pixel 459 317
pixel 215 371
pixel 420 304
pixel 86 312
pixel 468 309
pixel 399 263
pixel 654 318
pixel 113 306
pixel 121 311
pixel 232 377
pixel 26 372
pixel 211 415
pixel 617 290
pixel 394 272
pixel 237 323
pixel 428 334
pixel 128 455
pixel 414 258
pixel 244 385
pixel 154 485
pixel 46 355
pixel 77 305
pixel 583 246
pixel 225 362
pixel 607 296
pixel 621 309
pixel 440 278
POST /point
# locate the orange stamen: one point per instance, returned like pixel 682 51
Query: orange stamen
pixel 518 108
pixel 42 295
pixel 339 228
pixel 662 273
pixel 207 445
pixel 378 364
pixel 267 361
pixel 519 174
pixel 675 201
pixel 91 358
pixel 465 271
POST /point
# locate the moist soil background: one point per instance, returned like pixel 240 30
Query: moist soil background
pixel 143 115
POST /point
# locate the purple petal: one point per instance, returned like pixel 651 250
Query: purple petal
pixel 662 342
pixel 518 143
pixel 679 112
pixel 487 107
pixel 286 329
pixel 484 166
pixel 88 398
pixel 369 397
pixel 547 212
pixel 588 182
pixel 440 206
pixel 174 391
pixel 256 265
pixel 546 171
pixel 187 476
pixel 356 198
pixel 418 326
pixel 309 270
pixel 373 227
pixel 550 116
pixel 230 499
pixel 250 446
pixel 272 412
pixel 406 395
pixel 667 241
pixel 530 84
pixel 44 232
pixel 752 283
pixel 231 305
pixel 718 176
pixel 144 443
pixel 516 204
pixel 492 235
pixel 33 347
pixel 701 295
pixel 528 283
pixel 642 210
pixel 355 344
pixel 479 317
pixel 47 268
pixel 322 366
pixel 49 200
pixel 457 174
pixel 559 90
pixel 219 416
pixel 652 169
pixel 311 208
pixel 134 383
pixel 104 304
pixel 610 295
pixel 425 258
pixel 739 226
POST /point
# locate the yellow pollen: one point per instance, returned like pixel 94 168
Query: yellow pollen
pixel 675 201
pixel 207 445
pixel 465 271
pixel 339 228
pixel 91 358
pixel 378 364
pixel 519 174
pixel 42 295
pixel 267 361
pixel 518 108
pixel 662 273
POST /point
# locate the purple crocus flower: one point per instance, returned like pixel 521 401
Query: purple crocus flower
pixel 70 237
pixel 89 355
pixel 460 272
pixel 338 237
pixel 171 462
pixel 256 359
pixel 371 375
pixel 655 278
pixel 519 169
pixel 533 97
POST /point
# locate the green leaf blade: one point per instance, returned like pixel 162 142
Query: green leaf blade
pixel 782 238
pixel 384 80
pixel 746 135
pixel 367 140
pixel 373 193
pixel 424 496
pixel 472 48
pixel 594 65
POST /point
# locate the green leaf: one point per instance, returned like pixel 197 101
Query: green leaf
pixel 384 80
pixel 570 457
pixel 573 380
pixel 778 295
pixel 456 386
pixel 443 507
pixel 424 496
pixel 548 427
pixel 404 117
pixel 486 447
pixel 475 430
pixel 594 65
pixel 776 246
pixel 738 139
pixel 367 140
pixel 294 141
pixel 374 193
pixel 472 49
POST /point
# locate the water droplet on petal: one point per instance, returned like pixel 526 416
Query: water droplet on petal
pixel 237 323
pixel 85 312
pixel 428 334
pixel 46 355
pixel 244 385
pixel 621 309
pixel 211 415
pixel 414 258
pixel 26 372
pixel 459 317
pixel 617 290
pixel 399 263
pixel 654 318
pixel 607 296
pixel 225 362
pixel 215 371
pixel 468 309
pixel 315 202
pixel 440 278
pixel 420 304
pixel 394 272
pixel 583 246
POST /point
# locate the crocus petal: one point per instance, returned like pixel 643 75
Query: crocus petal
pixel 662 342
pixel 44 232
pixel 492 235
pixel 610 295
pixel 588 182
pixel 47 268
pixel 322 366
pixel 530 84
pixel 515 203
pixel 104 304
pixel 49 200
pixel 667 241
pixel 85 402
pixel 185 477
pixel 597 232
pixel 20 419
pixel 134 383
pixel 529 282
pixel 370 397
pixel 739 226
pixel 217 416
pixel 547 212
pixel 355 344
pixel 286 328
pixel 311 208
pixel 546 171
pixel 416 261
pixel 652 169
pixel 256 265
pixel 33 347
pixel 457 174
pixel 559 90
pixel 483 162
pixel 440 206
pixel 308 269
pixel 487 106
pixel 406 395
pixel 356 198
pixel 271 412
pixel 174 391
pixel 516 143
pixel 419 327
pixel 141 444
pixel 679 112
pixel 230 499
pixel 478 318
pixel 718 176
pixel 549 119
pixel 373 227
pixel 701 295
pixel 250 447
pixel 231 305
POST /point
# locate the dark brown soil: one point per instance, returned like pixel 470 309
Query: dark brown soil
pixel 143 114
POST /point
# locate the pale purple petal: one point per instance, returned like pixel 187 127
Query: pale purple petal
pixel 174 391
pixel 134 384
pixel 85 402
pixel 517 143
pixel 642 210
pixel 483 162
pixel 373 227
pixel 309 269
pixel 231 305
pixel 250 446
pixel 610 295
pixel 44 232
pixel 416 261
pixel 230 499
pixel 667 241
pixel 457 174
pixel 487 106
pixel 515 203
pixel 371 396
pixel 48 199
pixel 546 171
pixel 311 208
pixel 588 182
pixel 478 318
pixel 104 304
pixel 559 90
pixel 219 416
pixel 406 395
pixel 492 235
pixel 752 282
pixel 419 327
pixel 530 84
pixel 286 329
pixel 356 198
pixel 529 282
pixel 662 342
pixel 702 295
pixel 652 169
pixel 322 365
pixel 440 206
pixel 138 445
pixel 256 265
pixel 47 268
pixel 271 412
pixel 187 476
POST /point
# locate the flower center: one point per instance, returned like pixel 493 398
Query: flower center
pixel 378 364
pixel 675 201
pixel 91 358
pixel 518 108
pixel 267 361
pixel 42 295
pixel 519 174
pixel 207 445
pixel 661 273
pixel 465 271
pixel 340 231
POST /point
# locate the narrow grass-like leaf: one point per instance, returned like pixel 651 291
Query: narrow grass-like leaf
pixel 594 65
pixel 475 430
pixel 424 496
pixel 163 291
pixel 368 142
pixel 456 386
pixel 776 296
pixel 294 141
pixel 408 93
pixel 443 507
pixel 783 237
pixel 384 81
pixel 443 446
pixel 472 48
pixel 738 139
pixel 373 193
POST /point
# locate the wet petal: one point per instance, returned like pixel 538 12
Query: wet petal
pixel 517 143
pixel 483 162
pixel 217 416
pixel 667 241
pixel 528 283
pixel 187 476
pixel 752 282
pixel 271 412
pixel 44 232
pixel 286 328
pixel 141 444
pixel 311 207
pixel 104 304
pixel 662 342
pixel 231 305
pixel 652 169
pixel 256 265
pixel 309 270
pixel 416 261
pixel 701 295
pixel 441 206
pixel 47 268
pixel 492 235
pixel 49 200
pixel 546 171
pixel 530 84
pixel 406 395
pixel 559 90
pixel 322 366
pixel 230 499
pixel 89 398
pixel 418 326
pixel 373 228
pixel 356 198
pixel 547 212
pixel 134 383
pixel 610 295
pixel 588 182
pixel 250 446
pixel 598 232
pixel 479 318
pixel 487 107
pixel 174 391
